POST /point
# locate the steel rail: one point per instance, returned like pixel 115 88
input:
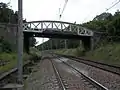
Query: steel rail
pixel 89 79
pixel 99 65
pixel 62 86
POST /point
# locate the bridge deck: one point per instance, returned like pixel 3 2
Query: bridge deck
pixel 55 34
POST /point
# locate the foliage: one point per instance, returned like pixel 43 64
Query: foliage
pixel 105 22
pixel 66 51
pixel 10 61
pixel 4 46
pixel 3 5
pixel 7 15
pixel 103 16
pixel 32 42
pixel 108 23
pixel 80 51
pixel 35 51
pixel 59 44
pixel 107 54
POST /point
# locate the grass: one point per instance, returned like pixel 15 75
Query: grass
pixel 74 51
pixel 66 51
pixel 109 54
pixel 35 51
pixel 11 61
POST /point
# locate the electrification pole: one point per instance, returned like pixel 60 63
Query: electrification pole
pixel 20 42
pixel 42 47
pixel 56 45
pixel 65 44
pixel 51 44
pixel 43 44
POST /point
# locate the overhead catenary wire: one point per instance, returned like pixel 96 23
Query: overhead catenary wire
pixel 66 1
pixel 113 5
pixel 114 1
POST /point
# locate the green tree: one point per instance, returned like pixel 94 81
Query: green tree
pixel 4 45
pixel 103 16
pixel 7 15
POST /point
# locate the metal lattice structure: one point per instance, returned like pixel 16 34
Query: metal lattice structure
pixel 41 26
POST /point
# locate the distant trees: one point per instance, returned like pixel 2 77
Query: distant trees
pixel 99 22
pixel 106 22
pixel 103 16
pixel 58 44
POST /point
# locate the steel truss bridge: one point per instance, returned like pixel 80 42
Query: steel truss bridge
pixel 59 26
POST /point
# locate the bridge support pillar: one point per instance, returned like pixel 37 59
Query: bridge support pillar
pixel 86 42
pixel 26 42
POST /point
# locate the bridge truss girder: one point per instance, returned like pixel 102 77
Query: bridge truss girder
pixel 41 26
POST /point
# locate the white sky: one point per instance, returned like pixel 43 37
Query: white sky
pixel 76 10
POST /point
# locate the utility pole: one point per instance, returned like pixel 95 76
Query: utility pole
pixel 20 42
pixel 51 44
pixel 56 45
pixel 65 44
pixel 42 47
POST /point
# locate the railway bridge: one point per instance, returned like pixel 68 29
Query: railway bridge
pixel 58 29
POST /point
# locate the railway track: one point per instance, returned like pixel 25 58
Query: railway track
pixel 107 75
pixel 103 66
pixel 60 81
pixel 90 82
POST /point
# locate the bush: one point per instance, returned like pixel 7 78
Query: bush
pixel 5 46
pixel 10 61
pixel 107 54
pixel 80 51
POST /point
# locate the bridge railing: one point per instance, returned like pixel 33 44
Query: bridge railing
pixel 41 26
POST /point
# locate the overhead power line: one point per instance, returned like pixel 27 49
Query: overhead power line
pixel 114 1
pixel 113 5
pixel 66 1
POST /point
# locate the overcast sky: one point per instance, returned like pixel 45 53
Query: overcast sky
pixel 76 10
